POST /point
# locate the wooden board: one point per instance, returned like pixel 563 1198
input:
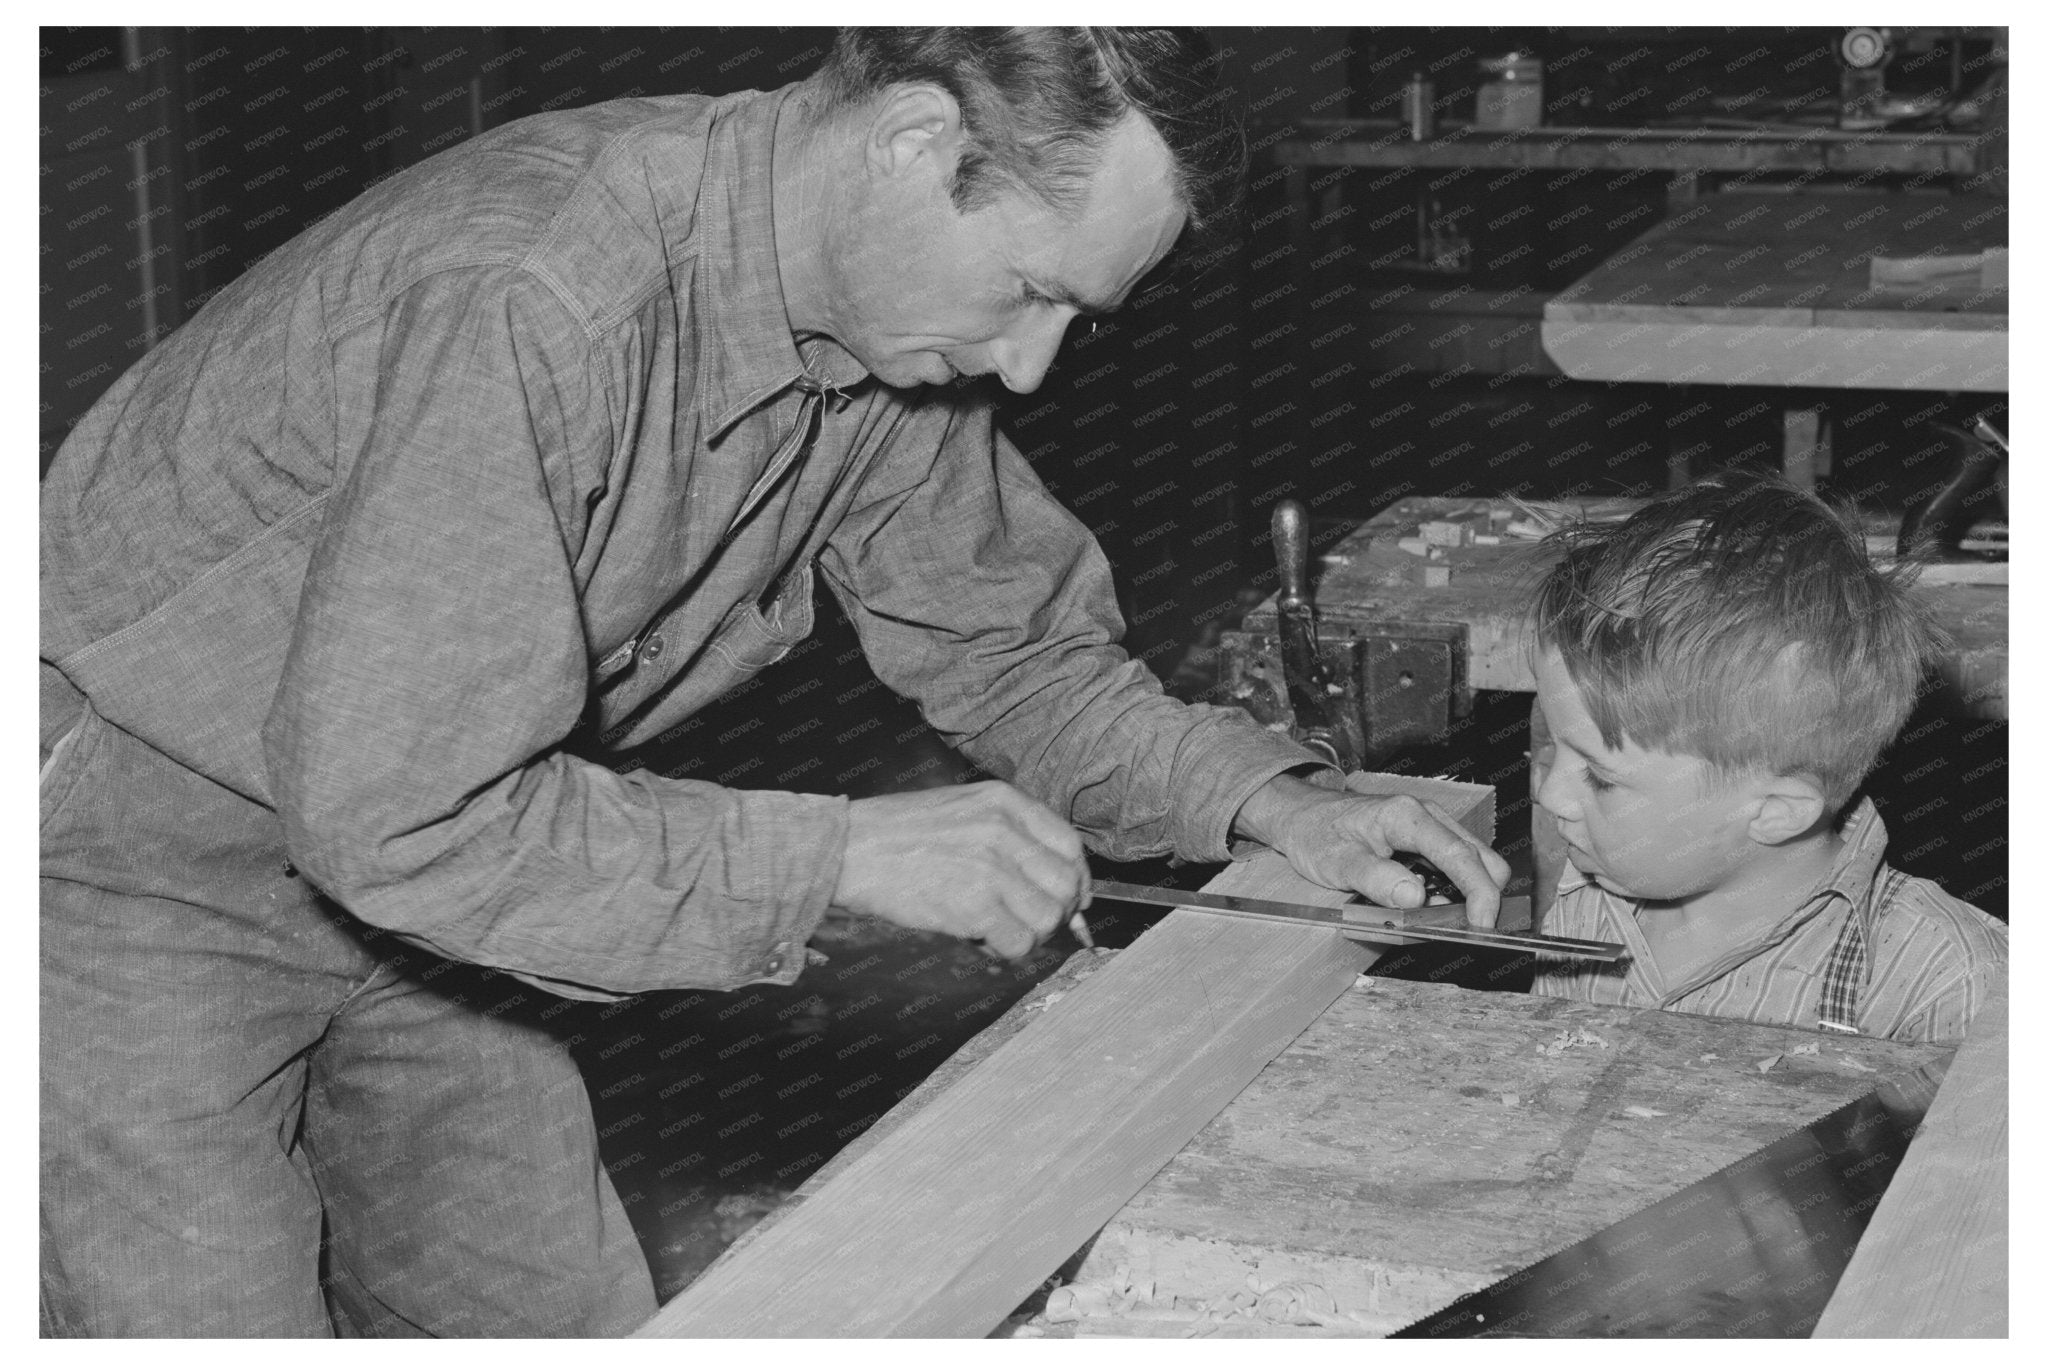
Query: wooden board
pixel 1419 1141
pixel 1934 1261
pixel 952 1213
pixel 1774 289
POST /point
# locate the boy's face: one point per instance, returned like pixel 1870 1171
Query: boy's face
pixel 1642 823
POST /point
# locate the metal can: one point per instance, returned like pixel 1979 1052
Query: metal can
pixel 1418 108
pixel 1512 94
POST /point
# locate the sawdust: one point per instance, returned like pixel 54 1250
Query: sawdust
pixel 1569 1039
pixel 1286 1303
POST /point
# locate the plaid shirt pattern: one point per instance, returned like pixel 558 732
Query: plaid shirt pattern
pixel 1871 950
pixel 517 450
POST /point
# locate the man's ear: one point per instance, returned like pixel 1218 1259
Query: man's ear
pixel 1787 808
pixel 913 126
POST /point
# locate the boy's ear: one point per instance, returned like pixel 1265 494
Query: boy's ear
pixel 1786 808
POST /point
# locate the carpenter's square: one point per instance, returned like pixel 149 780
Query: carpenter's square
pixel 1380 923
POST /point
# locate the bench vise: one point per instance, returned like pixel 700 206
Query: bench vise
pixel 1354 690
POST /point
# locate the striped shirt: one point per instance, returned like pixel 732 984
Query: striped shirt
pixel 1870 950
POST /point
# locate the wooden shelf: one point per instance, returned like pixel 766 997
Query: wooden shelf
pixel 1385 143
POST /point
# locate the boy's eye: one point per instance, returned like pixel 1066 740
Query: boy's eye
pixel 1032 296
pixel 1597 782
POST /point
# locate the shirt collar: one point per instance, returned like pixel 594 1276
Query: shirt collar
pixel 746 355
pixel 1854 875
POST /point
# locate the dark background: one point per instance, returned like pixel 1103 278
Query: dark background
pixel 173 159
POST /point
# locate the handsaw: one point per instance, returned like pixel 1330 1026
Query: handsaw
pixel 1753 1250
pixel 1379 923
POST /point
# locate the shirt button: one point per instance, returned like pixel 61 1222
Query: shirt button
pixel 773 965
pixel 652 649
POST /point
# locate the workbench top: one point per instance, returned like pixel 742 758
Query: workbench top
pixel 1777 289
pixel 1419 1141
pixel 1366 579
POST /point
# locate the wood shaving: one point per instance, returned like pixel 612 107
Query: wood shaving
pixel 1072 1302
pixel 1854 1065
pixel 1296 1302
pixel 1052 999
pixel 1644 1111
pixel 1511 1100
pixel 1767 1063
pixel 1806 1050
pixel 1571 1038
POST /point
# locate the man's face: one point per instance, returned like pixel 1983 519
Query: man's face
pixel 929 294
pixel 1643 823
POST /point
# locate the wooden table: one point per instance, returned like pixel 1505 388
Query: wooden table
pixel 1391 1146
pixel 1366 579
pixel 1413 1144
pixel 1775 289
pixel 1421 1141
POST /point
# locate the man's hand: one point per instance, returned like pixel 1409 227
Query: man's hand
pixel 1342 841
pixel 982 861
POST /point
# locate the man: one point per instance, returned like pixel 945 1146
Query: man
pixel 544 439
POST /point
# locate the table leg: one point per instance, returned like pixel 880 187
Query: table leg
pixel 1809 456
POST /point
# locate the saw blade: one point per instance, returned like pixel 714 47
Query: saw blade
pixel 1375 922
pixel 1753 1250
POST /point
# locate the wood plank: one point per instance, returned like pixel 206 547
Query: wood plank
pixel 1934 1260
pixel 944 1224
pixel 1419 1141
pixel 945 1227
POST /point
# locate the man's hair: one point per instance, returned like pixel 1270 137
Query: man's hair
pixel 1037 104
pixel 1739 620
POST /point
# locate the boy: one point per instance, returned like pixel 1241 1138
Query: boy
pixel 1716 675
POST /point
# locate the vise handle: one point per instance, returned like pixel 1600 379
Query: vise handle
pixel 1320 718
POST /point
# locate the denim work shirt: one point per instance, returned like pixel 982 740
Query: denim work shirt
pixel 518 447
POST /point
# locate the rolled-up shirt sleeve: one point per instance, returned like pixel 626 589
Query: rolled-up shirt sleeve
pixel 439 662
pixel 976 594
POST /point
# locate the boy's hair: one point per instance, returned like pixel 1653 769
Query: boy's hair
pixel 1038 103
pixel 1739 620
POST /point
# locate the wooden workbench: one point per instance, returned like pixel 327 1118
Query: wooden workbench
pixel 1776 290
pixel 1399 1144
pixel 1361 583
pixel 1420 1141
pixel 1416 1142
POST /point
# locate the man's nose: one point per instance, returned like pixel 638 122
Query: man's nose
pixel 1024 353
